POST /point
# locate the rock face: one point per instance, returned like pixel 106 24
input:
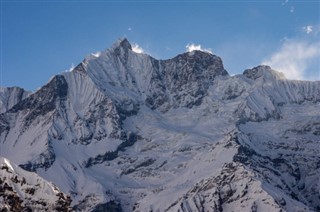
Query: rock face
pixel 262 71
pixel 126 132
pixel 25 191
pixel 160 84
pixel 11 96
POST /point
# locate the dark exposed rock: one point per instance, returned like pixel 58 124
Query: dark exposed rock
pixel 254 207
pixel 277 171
pixel 122 49
pixel 4 125
pixel 183 80
pixel 11 96
pixel 256 72
pixel 244 155
pixel 232 92
pixel 63 203
pixel 13 199
pixel 43 101
pixel 108 156
pixel 262 70
pixel 111 206
pixel 145 163
pixel 45 160
pixel 80 68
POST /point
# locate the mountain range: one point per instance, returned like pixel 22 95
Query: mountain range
pixel 124 131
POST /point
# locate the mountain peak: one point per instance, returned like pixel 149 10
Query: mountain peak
pixel 122 43
pixel 263 70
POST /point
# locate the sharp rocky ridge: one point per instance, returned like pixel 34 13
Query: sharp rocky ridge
pixel 124 131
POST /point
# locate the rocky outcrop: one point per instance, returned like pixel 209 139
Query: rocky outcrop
pixel 11 96
pixel 24 191
pixel 182 81
pixel 230 190
pixel 188 76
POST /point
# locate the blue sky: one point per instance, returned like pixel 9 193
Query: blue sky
pixel 42 38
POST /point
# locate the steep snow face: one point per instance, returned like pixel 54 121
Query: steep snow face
pixel 24 124
pixel 233 188
pixel 59 128
pixel 181 81
pixel 26 191
pixel 65 126
pixel 125 131
pixel 285 152
pixel 11 96
pixel 263 92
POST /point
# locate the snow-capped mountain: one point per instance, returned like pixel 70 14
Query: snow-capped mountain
pixel 126 132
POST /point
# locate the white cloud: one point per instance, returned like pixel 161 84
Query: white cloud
pixel 97 54
pixel 285 2
pixel 294 58
pixel 129 29
pixel 307 29
pixel 71 68
pixel 284 39
pixel 292 9
pixel 137 49
pixel 191 47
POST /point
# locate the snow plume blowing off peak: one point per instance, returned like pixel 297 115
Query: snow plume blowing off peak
pixel 192 47
pixel 137 49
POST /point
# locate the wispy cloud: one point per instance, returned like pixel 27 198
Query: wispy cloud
pixel 191 47
pixel 285 2
pixel 292 9
pixel 137 49
pixel 129 29
pixel 97 54
pixel 294 58
pixel 311 29
pixel 307 29
pixel 71 68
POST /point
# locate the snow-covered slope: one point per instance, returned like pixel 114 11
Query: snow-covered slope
pixel 11 96
pixel 124 131
pixel 123 74
pixel 21 190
